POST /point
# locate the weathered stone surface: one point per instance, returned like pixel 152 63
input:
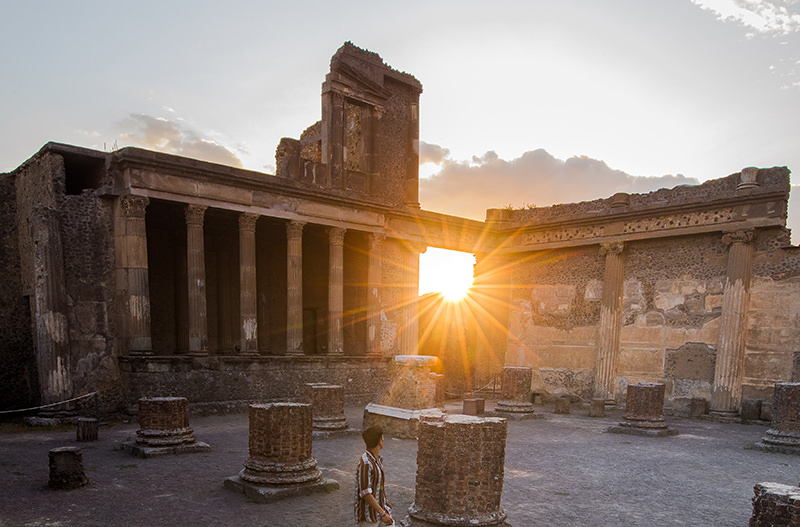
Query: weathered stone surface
pixel 164 429
pixel 66 468
pixel 516 391
pixel 783 435
pixel 87 429
pixel 327 405
pixel 775 504
pixel 644 411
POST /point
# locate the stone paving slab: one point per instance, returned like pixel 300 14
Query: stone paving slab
pixel 561 470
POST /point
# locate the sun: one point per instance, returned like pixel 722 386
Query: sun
pixel 446 272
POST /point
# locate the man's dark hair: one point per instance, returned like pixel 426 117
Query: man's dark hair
pixel 372 436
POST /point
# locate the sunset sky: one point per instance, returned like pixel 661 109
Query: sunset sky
pixel 524 103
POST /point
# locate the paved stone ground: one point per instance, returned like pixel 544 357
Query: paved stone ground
pixel 563 470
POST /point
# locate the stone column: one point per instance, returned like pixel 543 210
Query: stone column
pixel 783 435
pixel 409 335
pixel 327 406
pixel 729 368
pixel 50 307
pixel 196 274
pixel 133 273
pixel 460 465
pixel 294 288
pixel 248 299
pixel 644 411
pixel 333 136
pixel 516 390
pixel 336 292
pixel 605 375
pixel 374 281
pixel 164 421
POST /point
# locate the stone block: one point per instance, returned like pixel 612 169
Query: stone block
pixel 474 406
pixel 87 429
pixel 597 408
pixel 561 405
pixel 66 468
pixel 775 504
pixel 751 409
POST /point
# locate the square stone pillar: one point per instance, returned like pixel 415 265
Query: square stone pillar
pixel 196 274
pixel 336 292
pixel 294 288
pixel 248 295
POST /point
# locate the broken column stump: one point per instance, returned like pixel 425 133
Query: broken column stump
pixel 783 435
pixel 515 395
pixel 460 463
pixel 644 412
pixel 561 404
pixel 775 504
pixel 327 406
pixel 66 468
pixel 87 429
pixel 280 464
pixel 597 408
pixel 164 428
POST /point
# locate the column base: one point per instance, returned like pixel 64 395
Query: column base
pixel 149 451
pixel 417 518
pixel 646 432
pixel 269 494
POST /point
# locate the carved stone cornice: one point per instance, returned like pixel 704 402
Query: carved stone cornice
pixel 743 236
pixel 195 214
pixel 247 221
pixel 133 206
pixel 294 229
pixel 336 235
pixel 611 248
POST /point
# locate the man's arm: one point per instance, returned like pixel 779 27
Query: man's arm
pixel 373 503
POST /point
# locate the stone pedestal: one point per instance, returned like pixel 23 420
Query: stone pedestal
pixel 87 429
pixel 280 464
pixel 561 405
pixel 775 504
pixel 460 463
pixel 644 413
pixel 783 435
pixel 66 468
pixel 327 406
pixel 164 428
pixel 413 391
pixel 598 408
pixel 473 406
pixel 516 391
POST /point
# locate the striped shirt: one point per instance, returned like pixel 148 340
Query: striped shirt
pixel 370 480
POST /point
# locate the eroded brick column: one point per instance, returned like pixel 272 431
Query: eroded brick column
pixel 729 367
pixel 50 307
pixel 327 406
pixel 164 422
pixel 516 390
pixel 374 281
pixel 605 375
pixel 775 504
pixel 196 274
pixel 336 291
pixel 460 464
pixel 248 299
pixel 280 445
pixel 783 435
pixel 133 273
pixel 294 288
pixel 644 411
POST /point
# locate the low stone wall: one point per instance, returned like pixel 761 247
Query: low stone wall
pixel 225 384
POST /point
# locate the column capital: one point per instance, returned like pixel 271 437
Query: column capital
pixel 294 229
pixel 743 236
pixel 133 206
pixel 194 214
pixel 376 240
pixel 612 248
pixel 247 221
pixel 336 235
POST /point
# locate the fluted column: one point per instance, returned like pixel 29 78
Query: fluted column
pixel 294 288
pixel 196 273
pixel 409 343
pixel 248 299
pixel 729 368
pixel 374 280
pixel 336 291
pixel 610 322
pixel 135 274
pixel 50 307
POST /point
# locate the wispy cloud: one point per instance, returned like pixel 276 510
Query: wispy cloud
pixel 777 17
pixel 468 188
pixel 172 137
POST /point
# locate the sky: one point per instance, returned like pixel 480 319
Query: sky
pixel 524 102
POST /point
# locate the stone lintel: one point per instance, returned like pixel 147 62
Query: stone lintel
pixel 147 451
pixel 270 494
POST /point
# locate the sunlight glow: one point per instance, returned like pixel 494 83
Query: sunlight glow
pixel 446 272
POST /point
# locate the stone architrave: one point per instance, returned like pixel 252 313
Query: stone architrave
pixel 610 322
pixel 336 291
pixel 66 468
pixel 248 296
pixel 644 411
pixel 783 435
pixel 196 275
pixel 516 391
pixel 327 406
pixel 460 465
pixel 729 367
pixel 280 463
pixel 164 428
pixel 294 288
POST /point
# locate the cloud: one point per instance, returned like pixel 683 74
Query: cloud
pixel 779 17
pixel 468 188
pixel 430 153
pixel 171 137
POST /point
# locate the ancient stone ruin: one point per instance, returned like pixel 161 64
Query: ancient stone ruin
pixel 280 463
pixel 164 428
pixel 66 468
pixel 644 411
pixel 460 464
pixel 327 406
pixel 775 504
pixel 783 435
pixel 516 391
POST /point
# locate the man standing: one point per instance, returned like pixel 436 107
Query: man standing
pixel 372 508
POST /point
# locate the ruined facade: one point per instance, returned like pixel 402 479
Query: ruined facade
pixel 142 274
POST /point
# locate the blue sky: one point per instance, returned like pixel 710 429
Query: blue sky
pixel 557 101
